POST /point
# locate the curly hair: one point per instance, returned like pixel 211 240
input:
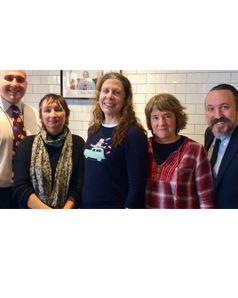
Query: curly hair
pixel 167 102
pixel 127 114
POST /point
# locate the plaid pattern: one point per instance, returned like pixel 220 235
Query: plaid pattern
pixel 183 181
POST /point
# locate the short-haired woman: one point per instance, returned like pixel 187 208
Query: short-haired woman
pixel 49 167
pixel 179 170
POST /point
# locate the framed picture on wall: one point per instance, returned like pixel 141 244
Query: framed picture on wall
pixel 80 84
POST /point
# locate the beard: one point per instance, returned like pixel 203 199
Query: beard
pixel 220 133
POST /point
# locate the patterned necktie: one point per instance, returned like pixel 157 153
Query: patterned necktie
pixel 215 153
pixel 18 130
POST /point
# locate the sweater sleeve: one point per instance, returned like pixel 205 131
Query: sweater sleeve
pixel 204 180
pixel 22 187
pixel 137 163
pixel 76 182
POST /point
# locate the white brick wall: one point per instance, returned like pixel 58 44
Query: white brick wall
pixel 189 86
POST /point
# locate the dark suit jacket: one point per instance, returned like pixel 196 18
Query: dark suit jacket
pixel 226 184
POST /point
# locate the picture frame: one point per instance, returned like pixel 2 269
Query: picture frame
pixel 81 84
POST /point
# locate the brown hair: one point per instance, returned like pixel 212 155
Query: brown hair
pixel 167 102
pixel 230 88
pixel 60 100
pixel 127 114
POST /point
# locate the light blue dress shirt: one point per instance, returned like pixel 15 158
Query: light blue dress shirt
pixel 222 149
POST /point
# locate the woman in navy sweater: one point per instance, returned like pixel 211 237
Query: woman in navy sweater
pixel 116 151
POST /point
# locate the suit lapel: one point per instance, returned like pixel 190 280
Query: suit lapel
pixel 209 137
pixel 228 156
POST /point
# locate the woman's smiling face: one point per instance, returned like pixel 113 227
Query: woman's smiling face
pixel 112 100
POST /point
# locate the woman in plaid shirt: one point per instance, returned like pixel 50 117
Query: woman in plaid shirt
pixel 179 170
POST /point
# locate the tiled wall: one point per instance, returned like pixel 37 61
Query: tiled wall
pixel 189 86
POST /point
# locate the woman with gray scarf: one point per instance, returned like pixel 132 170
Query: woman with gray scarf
pixel 49 167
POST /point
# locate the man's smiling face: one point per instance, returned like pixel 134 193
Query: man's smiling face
pixel 13 85
pixel 221 112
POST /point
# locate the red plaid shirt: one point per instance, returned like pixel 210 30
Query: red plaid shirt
pixel 183 181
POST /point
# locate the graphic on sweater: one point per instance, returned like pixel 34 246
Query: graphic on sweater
pixel 98 151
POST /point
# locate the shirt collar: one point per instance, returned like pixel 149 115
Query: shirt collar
pixel 109 125
pixel 6 105
pixel 225 140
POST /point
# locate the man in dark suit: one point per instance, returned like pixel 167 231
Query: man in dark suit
pixel 222 118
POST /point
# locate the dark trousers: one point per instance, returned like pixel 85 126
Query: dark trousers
pixel 6 201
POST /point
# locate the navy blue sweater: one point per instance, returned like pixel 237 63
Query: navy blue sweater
pixel 115 177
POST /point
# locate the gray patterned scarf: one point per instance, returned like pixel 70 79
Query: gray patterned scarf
pixel 40 170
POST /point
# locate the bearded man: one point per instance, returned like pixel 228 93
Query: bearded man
pixel 221 143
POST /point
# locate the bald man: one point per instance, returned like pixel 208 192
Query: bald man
pixel 13 85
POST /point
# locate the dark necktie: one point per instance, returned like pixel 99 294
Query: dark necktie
pixel 18 130
pixel 215 153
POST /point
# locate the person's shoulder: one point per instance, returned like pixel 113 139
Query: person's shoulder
pixel 136 134
pixel 31 115
pixel 29 108
pixel 93 128
pixel 190 141
pixel 194 143
pixel 77 139
pixel 27 142
pixel 235 132
pixel 28 139
pixel 208 132
pixel 135 129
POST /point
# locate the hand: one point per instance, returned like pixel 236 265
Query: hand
pixel 70 203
